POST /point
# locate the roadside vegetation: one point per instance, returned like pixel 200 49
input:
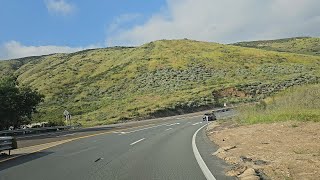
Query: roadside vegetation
pixel 18 103
pixel 109 85
pixel 301 103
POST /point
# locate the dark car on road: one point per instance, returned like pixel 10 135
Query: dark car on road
pixel 210 116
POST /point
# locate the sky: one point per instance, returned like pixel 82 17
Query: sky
pixel 37 27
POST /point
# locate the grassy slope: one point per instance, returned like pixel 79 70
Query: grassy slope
pixel 107 85
pixel 301 45
pixel 300 103
pixel 9 67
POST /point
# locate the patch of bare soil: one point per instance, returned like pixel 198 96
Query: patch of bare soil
pixel 286 150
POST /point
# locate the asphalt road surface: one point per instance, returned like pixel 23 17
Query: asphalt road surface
pixel 161 150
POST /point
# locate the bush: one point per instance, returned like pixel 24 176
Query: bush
pixel 297 103
pixel 56 123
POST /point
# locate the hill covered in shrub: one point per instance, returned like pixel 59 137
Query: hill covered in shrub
pixel 109 85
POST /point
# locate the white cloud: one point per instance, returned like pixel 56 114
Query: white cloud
pixel 119 24
pixel 14 49
pixel 120 20
pixel 225 21
pixel 59 7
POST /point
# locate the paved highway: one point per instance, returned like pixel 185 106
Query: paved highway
pixel 162 150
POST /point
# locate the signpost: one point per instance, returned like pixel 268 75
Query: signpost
pixel 67 115
pixel 207 120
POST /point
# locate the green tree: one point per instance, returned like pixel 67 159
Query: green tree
pixel 17 104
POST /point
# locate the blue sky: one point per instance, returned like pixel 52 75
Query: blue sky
pixel 37 27
pixel 86 22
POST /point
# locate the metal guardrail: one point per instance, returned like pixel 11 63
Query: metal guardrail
pixel 20 132
pixel 8 143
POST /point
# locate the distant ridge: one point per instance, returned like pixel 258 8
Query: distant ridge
pixel 301 45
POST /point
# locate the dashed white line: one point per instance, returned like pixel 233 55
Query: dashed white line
pixel 68 135
pixel 137 130
pixel 168 129
pixel 137 141
pixel 196 123
pixel 173 124
pixel 120 133
pixel 141 129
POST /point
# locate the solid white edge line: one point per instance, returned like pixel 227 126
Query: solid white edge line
pixel 137 141
pixel 207 173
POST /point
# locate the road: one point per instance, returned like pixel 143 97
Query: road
pixel 162 150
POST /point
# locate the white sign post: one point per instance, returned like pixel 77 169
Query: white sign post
pixel 67 116
pixel 207 119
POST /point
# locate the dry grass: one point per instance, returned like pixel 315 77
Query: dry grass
pixel 291 149
pixel 297 103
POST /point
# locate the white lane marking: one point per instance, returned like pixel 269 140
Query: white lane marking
pixel 173 124
pixel 168 129
pixel 68 134
pixel 196 123
pixel 142 129
pixel 145 128
pixel 137 141
pixel 120 133
pixel 166 124
pixel 205 170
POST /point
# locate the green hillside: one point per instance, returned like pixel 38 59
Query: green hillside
pixel 301 45
pixel 108 85
pixel 9 67
pixel 301 103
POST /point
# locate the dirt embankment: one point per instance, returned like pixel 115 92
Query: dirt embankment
pixel 287 150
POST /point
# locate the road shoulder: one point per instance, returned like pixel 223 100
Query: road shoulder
pixel 206 149
pixel 282 150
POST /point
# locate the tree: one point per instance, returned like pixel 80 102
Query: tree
pixel 17 104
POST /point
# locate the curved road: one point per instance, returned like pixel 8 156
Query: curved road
pixel 159 151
